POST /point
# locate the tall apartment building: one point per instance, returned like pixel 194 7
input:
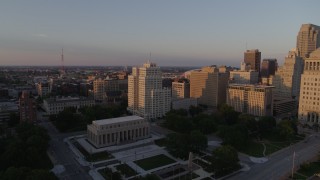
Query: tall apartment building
pixel 287 78
pixel 309 107
pixel 256 100
pixel 180 90
pixel 146 97
pixel 27 108
pixel 268 67
pixel 253 58
pixel 308 39
pixel 209 86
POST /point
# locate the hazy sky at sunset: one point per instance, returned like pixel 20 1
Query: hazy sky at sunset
pixel 176 32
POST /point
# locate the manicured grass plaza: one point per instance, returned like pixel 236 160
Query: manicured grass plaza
pixel 307 170
pixel 154 162
pixel 272 144
pixel 126 170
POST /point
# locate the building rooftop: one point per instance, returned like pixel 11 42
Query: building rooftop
pixel 116 120
pixel 251 85
pixel 66 99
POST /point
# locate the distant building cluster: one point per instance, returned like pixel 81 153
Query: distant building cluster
pixel 260 87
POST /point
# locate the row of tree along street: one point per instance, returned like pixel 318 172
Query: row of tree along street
pixel 72 120
pixel 235 129
pixel 23 154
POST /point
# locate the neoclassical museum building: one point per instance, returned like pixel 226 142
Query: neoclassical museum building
pixel 108 132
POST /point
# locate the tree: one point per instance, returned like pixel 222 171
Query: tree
pixel 236 136
pixel 249 121
pixel 178 123
pixel 266 124
pixel 13 173
pixel 194 110
pixel 40 174
pixel 197 141
pixel 205 123
pixel 13 120
pixel 27 148
pixel 177 145
pixel 224 160
pixel 285 129
pixel 229 114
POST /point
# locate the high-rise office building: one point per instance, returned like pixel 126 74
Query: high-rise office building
pixel 309 103
pixel 308 39
pixel 27 108
pixel 146 97
pixel 253 58
pixel 287 78
pixel 268 67
pixel 256 100
pixel 180 90
pixel 209 86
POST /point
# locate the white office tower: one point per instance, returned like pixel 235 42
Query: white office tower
pixel 309 107
pixel 287 78
pixel 146 97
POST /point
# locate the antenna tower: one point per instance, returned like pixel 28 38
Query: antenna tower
pixel 62 63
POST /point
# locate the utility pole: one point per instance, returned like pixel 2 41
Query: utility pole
pixel 294 154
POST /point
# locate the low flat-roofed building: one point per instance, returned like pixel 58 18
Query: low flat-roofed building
pixel 284 107
pixel 108 132
pixel 184 103
pixel 56 105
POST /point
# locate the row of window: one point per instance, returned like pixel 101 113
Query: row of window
pixel 122 125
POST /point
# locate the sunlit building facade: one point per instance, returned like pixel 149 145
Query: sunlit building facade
pixel 115 131
pixel 256 100
pixel 309 103
pixel 146 97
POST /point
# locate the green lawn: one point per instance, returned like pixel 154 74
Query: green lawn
pixel 126 170
pixel 187 177
pixel 298 177
pixel 311 169
pixel 272 143
pixel 108 174
pixel 253 149
pixel 154 162
pixel 203 164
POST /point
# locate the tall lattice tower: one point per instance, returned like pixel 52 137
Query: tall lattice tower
pixel 62 70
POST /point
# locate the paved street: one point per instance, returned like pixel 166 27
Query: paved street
pixel 62 154
pixel 280 164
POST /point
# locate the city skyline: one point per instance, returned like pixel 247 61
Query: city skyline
pixel 179 33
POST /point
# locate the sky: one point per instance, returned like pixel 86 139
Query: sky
pixel 174 32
